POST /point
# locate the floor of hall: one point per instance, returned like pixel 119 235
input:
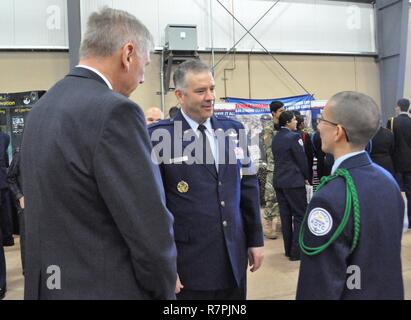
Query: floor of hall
pixel 276 280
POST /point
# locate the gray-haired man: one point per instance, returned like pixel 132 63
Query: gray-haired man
pixel 97 223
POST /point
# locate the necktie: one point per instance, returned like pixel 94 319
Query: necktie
pixel 207 154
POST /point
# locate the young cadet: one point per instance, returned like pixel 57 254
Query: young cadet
pixel 351 234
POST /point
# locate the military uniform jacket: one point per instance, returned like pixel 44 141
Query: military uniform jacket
pixel 290 161
pixel 402 141
pixel 382 149
pixel 378 253
pixel 216 216
pixel 95 206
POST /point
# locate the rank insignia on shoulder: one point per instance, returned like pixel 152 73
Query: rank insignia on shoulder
pixel 182 187
pixel 319 221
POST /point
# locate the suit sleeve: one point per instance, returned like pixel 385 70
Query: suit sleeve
pixel 12 176
pixel 299 155
pixel 131 187
pixel 323 276
pixel 250 200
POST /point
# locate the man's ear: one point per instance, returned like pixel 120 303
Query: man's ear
pixel 127 55
pixel 340 135
pixel 179 95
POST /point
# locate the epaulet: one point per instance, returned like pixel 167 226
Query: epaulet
pixel 161 123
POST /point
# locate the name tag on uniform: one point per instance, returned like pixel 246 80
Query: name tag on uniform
pixel 179 159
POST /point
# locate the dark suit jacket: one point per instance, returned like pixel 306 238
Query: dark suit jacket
pixel 382 149
pixel 4 159
pixel 378 253
pixel 95 206
pixel 218 217
pixel 290 161
pixel 402 140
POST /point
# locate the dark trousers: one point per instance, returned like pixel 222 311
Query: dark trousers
pixel 22 228
pixel 238 293
pixel 292 203
pixel 404 180
pixel 2 264
pixel 6 216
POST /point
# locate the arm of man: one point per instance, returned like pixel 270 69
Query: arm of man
pixel 12 176
pixel 250 209
pixel 297 149
pixel 131 187
pixel 323 276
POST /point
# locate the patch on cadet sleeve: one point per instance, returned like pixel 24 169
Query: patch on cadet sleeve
pixel 300 141
pixel 319 221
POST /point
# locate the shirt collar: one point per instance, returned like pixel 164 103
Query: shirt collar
pixel 341 159
pixel 194 124
pixel 404 112
pixel 98 73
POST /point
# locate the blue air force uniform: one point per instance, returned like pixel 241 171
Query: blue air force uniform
pixel 373 269
pixel 291 169
pixel 216 209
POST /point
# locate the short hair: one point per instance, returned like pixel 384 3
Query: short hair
pixel 300 119
pixel 173 111
pixel 285 117
pixel 404 104
pixel 195 66
pixel 358 114
pixel 275 105
pixel 110 29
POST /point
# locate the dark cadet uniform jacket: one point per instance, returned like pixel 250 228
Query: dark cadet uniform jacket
pixel 378 253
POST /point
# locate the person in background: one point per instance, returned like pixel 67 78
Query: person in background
pixel 308 146
pixel 401 128
pixel 14 180
pixel 290 178
pixel 6 214
pixel 271 211
pixel 382 149
pixel 173 112
pixel 153 114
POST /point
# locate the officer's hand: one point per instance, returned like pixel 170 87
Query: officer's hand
pixel 255 258
pixel 179 285
pixel 21 202
pixel 307 182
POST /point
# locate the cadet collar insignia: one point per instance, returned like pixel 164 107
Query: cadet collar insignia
pixel 182 187
pixel 300 141
pixel 319 221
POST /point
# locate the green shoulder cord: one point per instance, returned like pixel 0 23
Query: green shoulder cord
pixel 350 202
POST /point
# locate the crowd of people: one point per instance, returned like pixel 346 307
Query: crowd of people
pixel 116 209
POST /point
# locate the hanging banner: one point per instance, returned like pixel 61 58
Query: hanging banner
pixel 253 114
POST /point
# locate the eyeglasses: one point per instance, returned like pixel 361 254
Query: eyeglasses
pixel 320 118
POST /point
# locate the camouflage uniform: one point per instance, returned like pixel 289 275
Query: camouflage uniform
pixel 271 210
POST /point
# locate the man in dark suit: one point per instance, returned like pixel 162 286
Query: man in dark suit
pixel 211 190
pixel 97 226
pixel 401 128
pixel 382 149
pixel 6 214
pixel 351 234
pixel 290 177
pixel 6 225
